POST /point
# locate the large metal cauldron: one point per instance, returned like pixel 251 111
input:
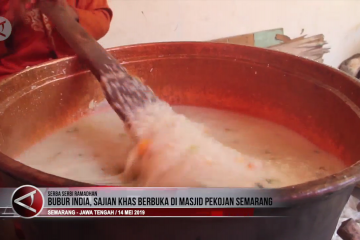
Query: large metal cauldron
pixel 318 102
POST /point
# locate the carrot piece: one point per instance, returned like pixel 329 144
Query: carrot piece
pixel 143 146
pixel 251 166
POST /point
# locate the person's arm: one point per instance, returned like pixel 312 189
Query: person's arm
pixel 95 16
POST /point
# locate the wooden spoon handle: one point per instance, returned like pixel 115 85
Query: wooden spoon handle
pixel 123 92
pixel 84 45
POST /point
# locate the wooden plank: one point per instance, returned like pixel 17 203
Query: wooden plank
pixel 309 47
pixel 246 39
pixel 259 39
pixel 282 38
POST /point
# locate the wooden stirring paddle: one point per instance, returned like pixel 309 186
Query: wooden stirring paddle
pixel 124 92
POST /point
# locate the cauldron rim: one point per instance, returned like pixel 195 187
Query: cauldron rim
pixel 316 188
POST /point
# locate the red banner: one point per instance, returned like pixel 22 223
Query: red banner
pixel 147 212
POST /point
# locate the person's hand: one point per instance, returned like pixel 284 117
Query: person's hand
pixel 52 4
pixel 49 3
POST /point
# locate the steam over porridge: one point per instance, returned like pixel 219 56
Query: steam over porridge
pixel 96 149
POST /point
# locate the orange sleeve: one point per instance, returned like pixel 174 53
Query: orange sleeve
pixel 95 16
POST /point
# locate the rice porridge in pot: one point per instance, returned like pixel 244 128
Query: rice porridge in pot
pixel 94 148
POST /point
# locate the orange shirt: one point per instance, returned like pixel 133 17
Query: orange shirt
pixel 34 40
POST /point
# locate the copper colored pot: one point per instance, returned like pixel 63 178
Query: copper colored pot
pixel 319 102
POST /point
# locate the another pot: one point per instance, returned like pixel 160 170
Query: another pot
pixel 319 102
